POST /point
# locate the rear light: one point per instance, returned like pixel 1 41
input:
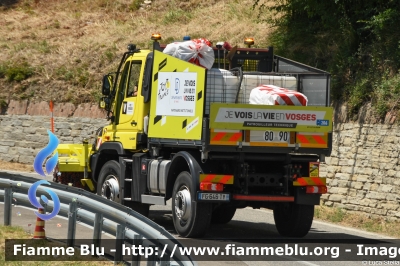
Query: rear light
pixel 296 171
pixel 208 186
pixel 316 189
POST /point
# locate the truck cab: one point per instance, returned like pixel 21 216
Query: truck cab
pixel 128 107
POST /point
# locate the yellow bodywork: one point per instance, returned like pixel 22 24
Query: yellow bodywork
pixel 177 99
pixel 128 125
pixel 73 157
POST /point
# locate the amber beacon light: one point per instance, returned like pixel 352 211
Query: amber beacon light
pixel 249 42
pixel 156 36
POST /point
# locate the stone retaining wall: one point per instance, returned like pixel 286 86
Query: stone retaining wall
pixel 363 172
pixel 60 109
pixel 23 136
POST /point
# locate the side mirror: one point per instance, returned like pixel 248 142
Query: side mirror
pixel 107 84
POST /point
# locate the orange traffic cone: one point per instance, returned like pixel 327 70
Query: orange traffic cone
pixel 39 228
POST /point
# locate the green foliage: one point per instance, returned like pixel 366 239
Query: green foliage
pixel 335 215
pixel 387 95
pixel 360 92
pixel 356 41
pixel 77 15
pixel 77 75
pixel 234 10
pixel 338 215
pixel 26 6
pixel 16 72
pixel 64 74
pixel 176 15
pixel 26 95
pixel 135 5
pixel 82 75
pixel 56 24
pixel 111 53
pixel 3 103
pixel 2 71
pixel 21 46
pixel 96 94
pixel 43 47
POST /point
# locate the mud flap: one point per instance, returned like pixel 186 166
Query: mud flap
pixel 301 197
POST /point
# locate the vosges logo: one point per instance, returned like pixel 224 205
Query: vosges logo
pixel 177 85
pixel 51 162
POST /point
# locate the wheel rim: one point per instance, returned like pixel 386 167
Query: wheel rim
pixel 183 204
pixel 110 188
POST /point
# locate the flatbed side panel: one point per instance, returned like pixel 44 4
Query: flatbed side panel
pixel 268 138
pixel 234 150
pixel 225 137
pixel 271 117
pixel 177 99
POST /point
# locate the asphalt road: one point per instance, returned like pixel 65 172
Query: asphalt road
pixel 258 224
pixel 247 226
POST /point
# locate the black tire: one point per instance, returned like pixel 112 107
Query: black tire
pixel 108 187
pixel 293 220
pixel 223 214
pixel 190 220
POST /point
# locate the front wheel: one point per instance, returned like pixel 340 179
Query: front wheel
pixel 108 182
pixel 190 219
pixel 293 220
pixel 108 186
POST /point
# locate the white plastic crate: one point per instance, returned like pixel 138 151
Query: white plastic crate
pixel 221 87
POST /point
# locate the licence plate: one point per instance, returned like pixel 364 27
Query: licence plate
pixel 213 196
pixel 270 136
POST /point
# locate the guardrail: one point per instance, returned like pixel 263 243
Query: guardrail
pixel 102 214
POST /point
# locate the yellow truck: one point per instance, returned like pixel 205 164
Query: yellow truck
pixel 179 131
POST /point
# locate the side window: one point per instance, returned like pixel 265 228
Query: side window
pixel 121 91
pixel 134 76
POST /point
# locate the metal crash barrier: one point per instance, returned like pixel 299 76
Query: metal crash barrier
pixel 103 215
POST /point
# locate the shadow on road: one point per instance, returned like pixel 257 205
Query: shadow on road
pixel 243 230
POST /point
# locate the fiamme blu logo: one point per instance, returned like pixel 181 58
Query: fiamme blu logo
pixel 45 157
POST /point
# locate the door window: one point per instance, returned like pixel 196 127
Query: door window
pixel 134 75
pixel 121 92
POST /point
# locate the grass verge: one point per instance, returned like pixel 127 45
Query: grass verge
pixel 13 166
pixel 357 220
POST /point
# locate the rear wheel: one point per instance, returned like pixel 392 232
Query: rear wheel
pixel 223 214
pixel 108 186
pixel 293 220
pixel 190 219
